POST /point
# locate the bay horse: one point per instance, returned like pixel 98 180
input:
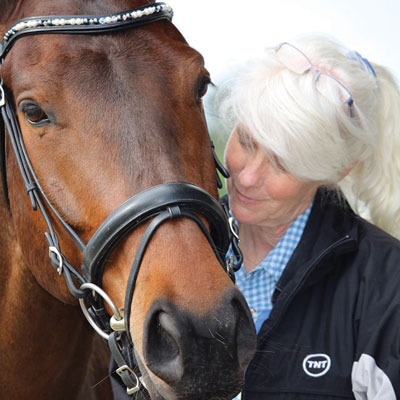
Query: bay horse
pixel 102 126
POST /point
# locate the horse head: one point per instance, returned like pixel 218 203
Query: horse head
pixel 110 122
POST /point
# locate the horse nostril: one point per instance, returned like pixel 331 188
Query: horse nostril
pixel 161 350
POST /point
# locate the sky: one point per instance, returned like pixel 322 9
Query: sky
pixel 227 32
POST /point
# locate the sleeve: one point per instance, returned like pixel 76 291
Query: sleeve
pixel 369 381
pixel 376 368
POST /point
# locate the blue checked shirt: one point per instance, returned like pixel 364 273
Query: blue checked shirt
pixel 259 284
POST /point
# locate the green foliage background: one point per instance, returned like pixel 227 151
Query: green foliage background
pixel 219 143
pixel 218 132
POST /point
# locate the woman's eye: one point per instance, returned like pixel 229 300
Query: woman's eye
pixel 202 89
pixel 246 141
pixel 34 114
pixel 279 165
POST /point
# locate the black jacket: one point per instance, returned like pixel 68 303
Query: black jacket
pixel 335 323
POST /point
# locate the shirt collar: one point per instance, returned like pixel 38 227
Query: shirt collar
pixel 276 260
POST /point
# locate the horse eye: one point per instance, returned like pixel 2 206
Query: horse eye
pixel 34 114
pixel 202 88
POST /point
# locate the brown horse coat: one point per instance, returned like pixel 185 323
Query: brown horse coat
pixel 104 117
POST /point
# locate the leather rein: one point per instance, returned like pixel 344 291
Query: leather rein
pixel 155 205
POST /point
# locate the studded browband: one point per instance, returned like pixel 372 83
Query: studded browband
pixel 85 24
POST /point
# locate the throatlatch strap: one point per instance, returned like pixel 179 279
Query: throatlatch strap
pixel 3 162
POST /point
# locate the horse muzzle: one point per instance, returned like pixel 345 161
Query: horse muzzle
pixel 199 356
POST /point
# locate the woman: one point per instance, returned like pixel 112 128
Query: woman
pixel 314 121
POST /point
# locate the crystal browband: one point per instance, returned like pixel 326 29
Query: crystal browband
pixel 100 23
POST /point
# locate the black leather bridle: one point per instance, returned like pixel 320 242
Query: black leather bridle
pixel 155 205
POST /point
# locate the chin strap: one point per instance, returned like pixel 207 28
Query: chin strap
pixel 122 349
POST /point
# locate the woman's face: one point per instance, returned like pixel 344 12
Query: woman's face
pixel 261 193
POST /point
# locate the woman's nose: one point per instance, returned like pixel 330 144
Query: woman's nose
pixel 254 171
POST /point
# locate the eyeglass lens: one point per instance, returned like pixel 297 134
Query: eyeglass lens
pixel 327 85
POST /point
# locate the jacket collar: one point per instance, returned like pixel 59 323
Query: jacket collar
pixel 331 231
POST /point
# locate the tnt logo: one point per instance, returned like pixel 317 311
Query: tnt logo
pixel 316 365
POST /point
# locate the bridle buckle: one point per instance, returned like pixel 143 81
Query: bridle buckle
pixel 53 249
pixel 2 96
pixel 233 228
pixel 122 371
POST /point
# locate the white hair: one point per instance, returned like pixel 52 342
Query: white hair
pixel 317 140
